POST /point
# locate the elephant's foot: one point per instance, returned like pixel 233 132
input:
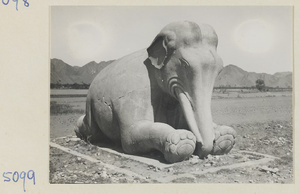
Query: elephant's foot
pixel 78 128
pixel 81 129
pixel 224 140
pixel 77 132
pixel 180 145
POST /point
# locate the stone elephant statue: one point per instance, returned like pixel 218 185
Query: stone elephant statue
pixel 160 97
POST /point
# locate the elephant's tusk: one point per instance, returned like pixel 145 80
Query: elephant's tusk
pixel 188 114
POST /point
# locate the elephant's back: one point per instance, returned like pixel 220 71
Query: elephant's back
pixel 124 74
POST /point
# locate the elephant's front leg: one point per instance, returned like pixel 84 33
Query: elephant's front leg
pixel 224 139
pixel 143 136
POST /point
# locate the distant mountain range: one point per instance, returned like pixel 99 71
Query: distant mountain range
pixel 234 76
pixel 63 73
pixel 231 75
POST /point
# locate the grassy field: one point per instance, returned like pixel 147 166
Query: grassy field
pixel 263 121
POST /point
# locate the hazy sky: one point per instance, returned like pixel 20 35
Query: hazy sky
pixel 255 38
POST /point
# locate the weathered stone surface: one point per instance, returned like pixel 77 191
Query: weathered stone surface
pixel 159 98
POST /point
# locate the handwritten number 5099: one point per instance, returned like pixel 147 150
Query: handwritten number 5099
pixel 8 176
pixel 26 4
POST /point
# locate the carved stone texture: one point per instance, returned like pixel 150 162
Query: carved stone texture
pixel 160 97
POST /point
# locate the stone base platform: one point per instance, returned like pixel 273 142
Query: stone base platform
pixel 75 161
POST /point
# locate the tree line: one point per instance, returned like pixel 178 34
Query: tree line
pixel 260 85
pixel 69 86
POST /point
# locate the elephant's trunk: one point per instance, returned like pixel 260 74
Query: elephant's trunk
pixel 197 112
pixel 202 112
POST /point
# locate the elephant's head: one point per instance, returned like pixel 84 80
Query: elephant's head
pixel 186 64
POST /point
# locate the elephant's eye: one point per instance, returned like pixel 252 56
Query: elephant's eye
pixel 184 62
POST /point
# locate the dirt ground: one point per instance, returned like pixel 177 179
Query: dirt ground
pixel 263 125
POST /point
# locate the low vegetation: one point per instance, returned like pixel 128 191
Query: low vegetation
pixel 69 86
pixel 260 87
pixel 59 109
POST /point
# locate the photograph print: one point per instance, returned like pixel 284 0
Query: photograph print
pixel 185 94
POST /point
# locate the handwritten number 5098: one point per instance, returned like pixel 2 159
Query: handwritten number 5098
pixel 26 4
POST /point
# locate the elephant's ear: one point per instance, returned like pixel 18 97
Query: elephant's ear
pixel 157 52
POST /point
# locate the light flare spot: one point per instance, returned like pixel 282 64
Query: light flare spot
pixel 254 36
